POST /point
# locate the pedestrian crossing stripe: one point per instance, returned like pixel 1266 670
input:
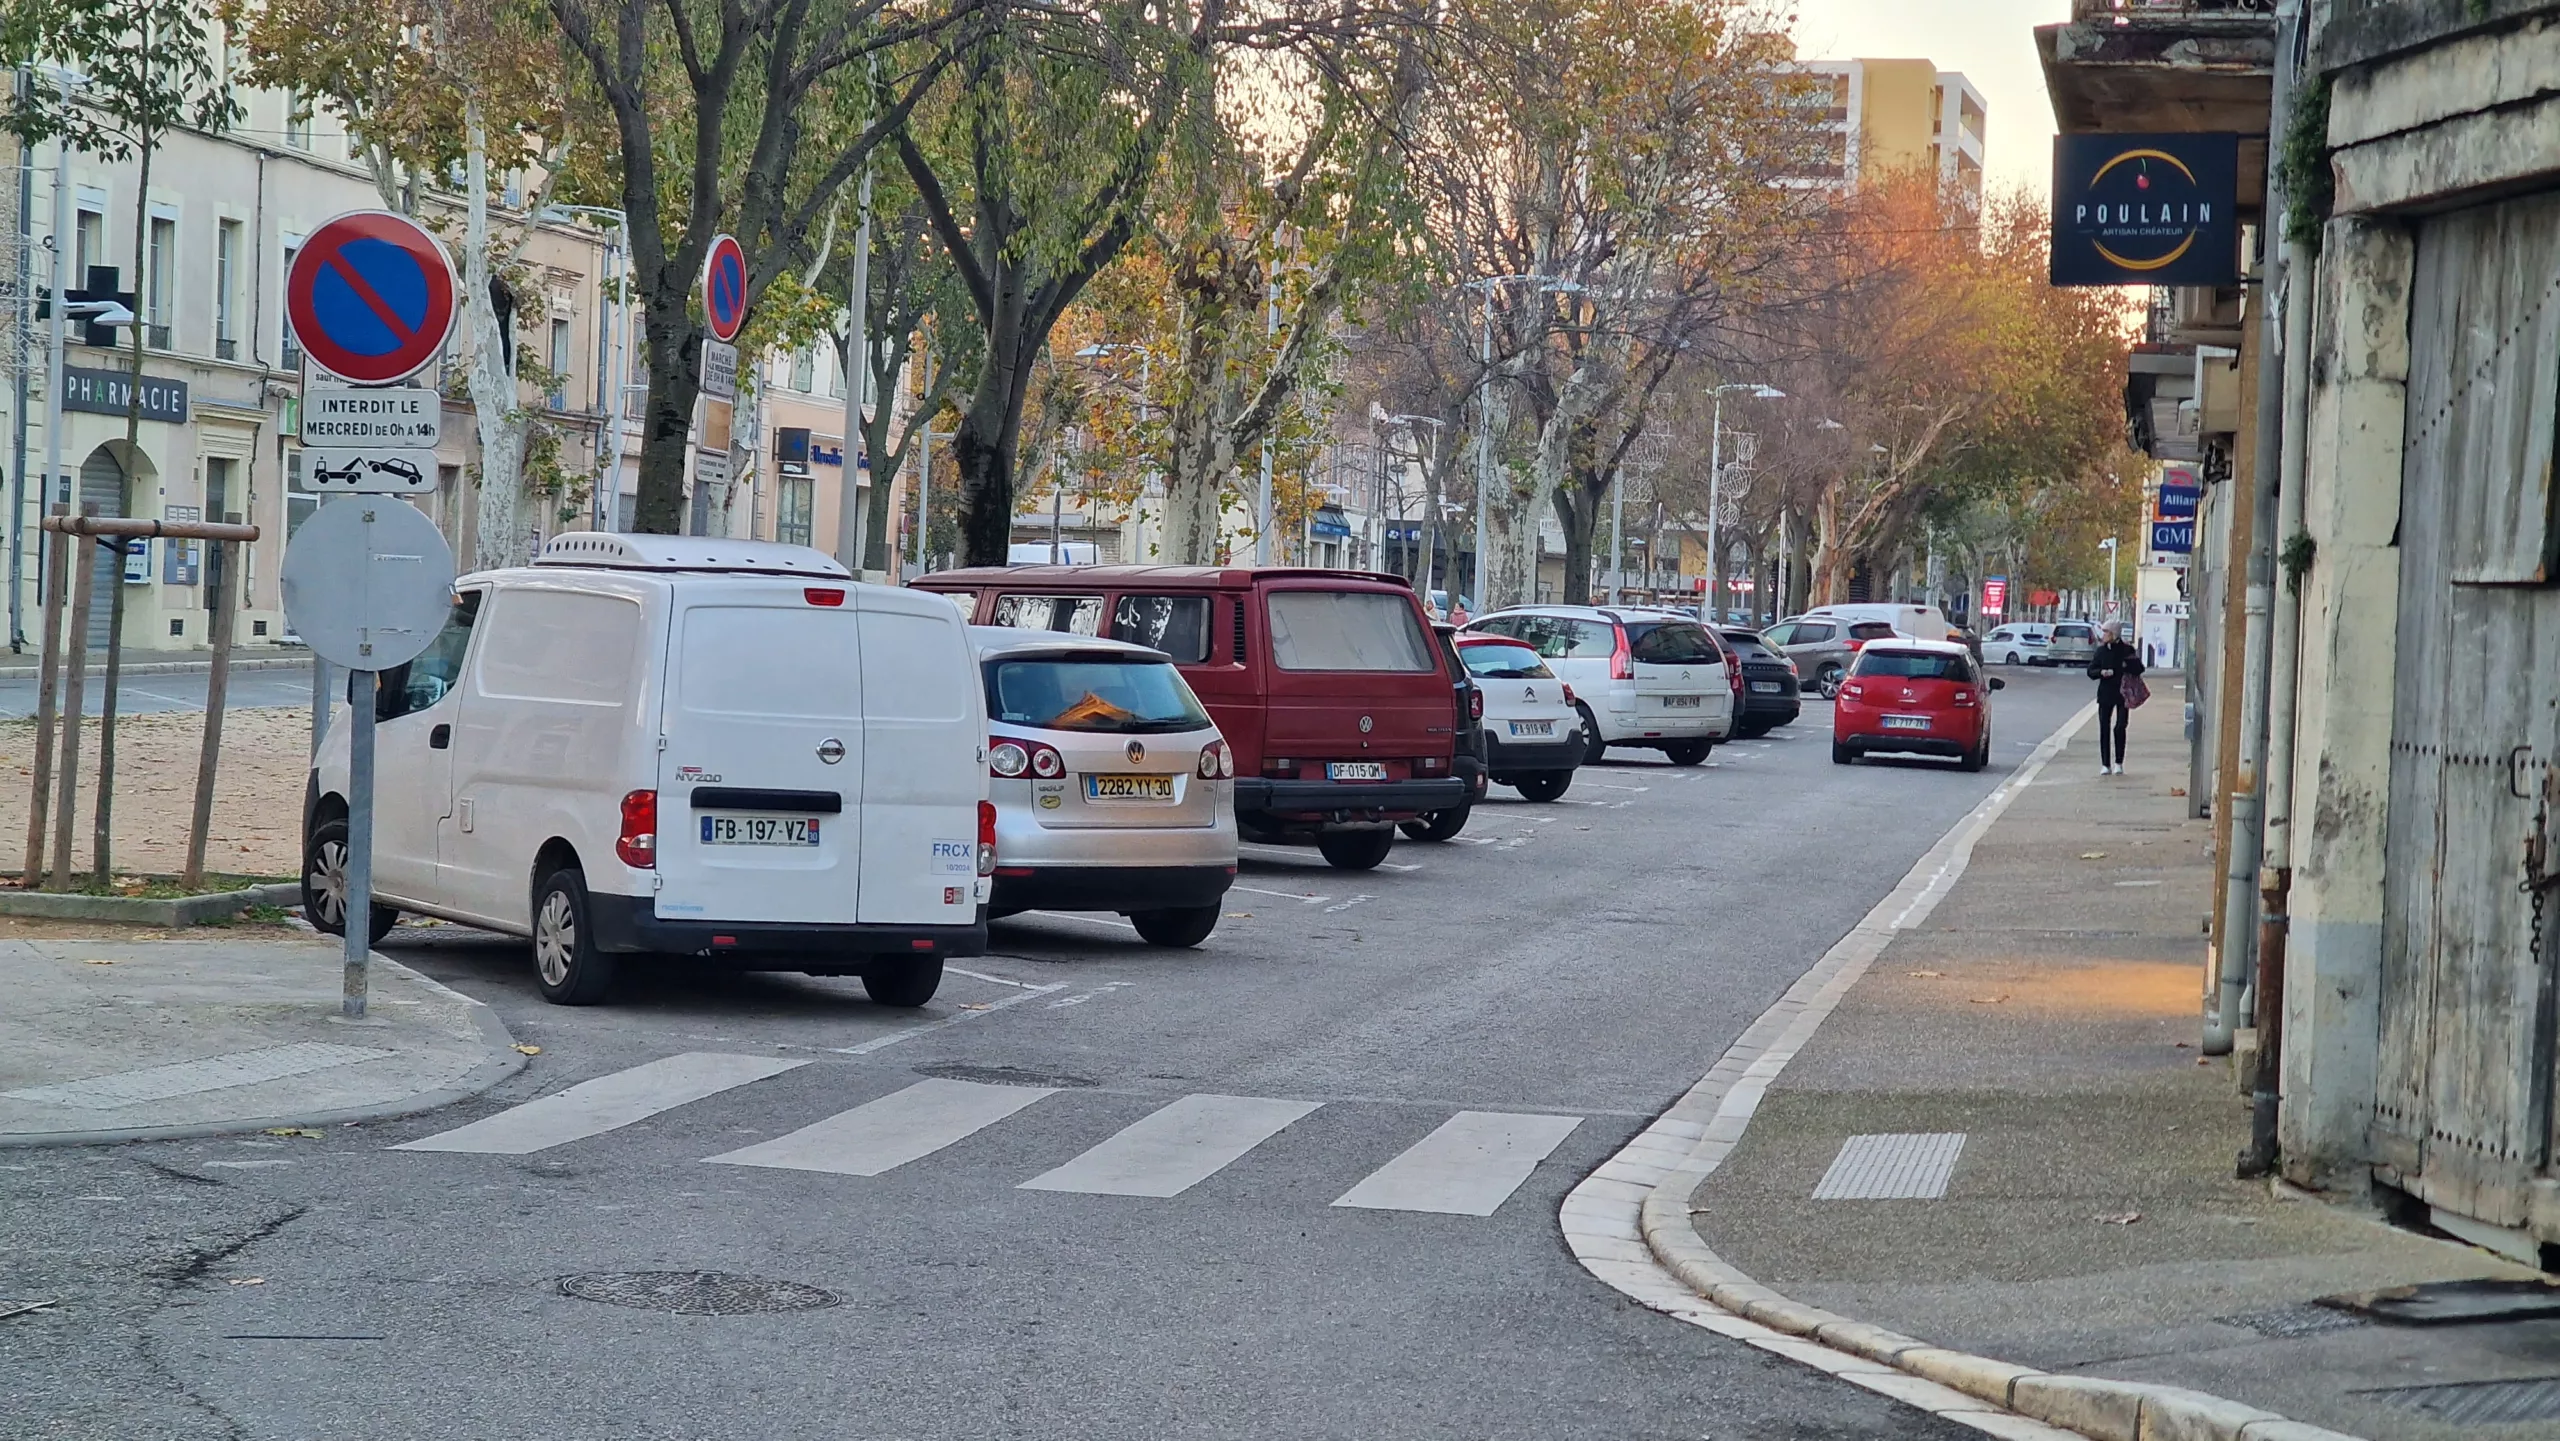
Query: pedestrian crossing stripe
pixel 1468 1166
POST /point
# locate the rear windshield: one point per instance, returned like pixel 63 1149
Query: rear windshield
pixel 1115 695
pixel 1504 662
pixel 2073 632
pixel 1871 630
pixel 1750 646
pixel 1914 664
pixel 1671 642
pixel 1347 630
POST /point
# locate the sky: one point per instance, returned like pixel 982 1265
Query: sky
pixel 1991 41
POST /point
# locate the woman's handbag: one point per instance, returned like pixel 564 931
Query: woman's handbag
pixel 2133 692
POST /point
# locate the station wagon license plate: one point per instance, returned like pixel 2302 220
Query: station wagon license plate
pixel 1533 728
pixel 1355 770
pixel 1680 702
pixel 759 830
pixel 1906 722
pixel 1766 687
pixel 1128 788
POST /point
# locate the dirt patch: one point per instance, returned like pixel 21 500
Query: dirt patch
pixel 257 796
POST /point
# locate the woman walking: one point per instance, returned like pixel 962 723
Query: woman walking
pixel 2117 668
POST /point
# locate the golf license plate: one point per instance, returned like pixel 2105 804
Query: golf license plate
pixel 1906 722
pixel 1128 788
pixel 1533 728
pixel 1680 702
pixel 759 830
pixel 1766 687
pixel 1355 770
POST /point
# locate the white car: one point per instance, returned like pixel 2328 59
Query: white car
pixel 1113 789
pixel 649 743
pixel 1643 678
pixel 2017 644
pixel 1920 622
pixel 1533 736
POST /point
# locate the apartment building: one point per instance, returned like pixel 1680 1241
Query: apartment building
pixel 1888 116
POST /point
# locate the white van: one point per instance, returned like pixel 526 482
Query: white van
pixel 701 747
pixel 1920 622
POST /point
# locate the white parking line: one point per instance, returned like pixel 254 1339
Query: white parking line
pixel 894 1037
pixel 982 976
pixel 1081 916
pixel 1346 905
pixel 1299 896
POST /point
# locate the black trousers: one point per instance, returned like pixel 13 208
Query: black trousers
pixel 2111 718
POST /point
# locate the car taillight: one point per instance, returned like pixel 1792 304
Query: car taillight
pixel 1046 763
pixel 1853 690
pixel 1621 665
pixel 1010 760
pixel 1475 705
pixel 1430 764
pixel 1282 769
pixel 1964 697
pixel 986 838
pixel 638 843
pixel 823 595
pixel 1217 763
pixel 1568 696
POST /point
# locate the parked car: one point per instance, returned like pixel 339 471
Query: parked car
pixel 2021 644
pixel 2074 643
pixel 1113 789
pixel 1468 707
pixel 1920 622
pixel 1925 697
pixel 1822 647
pixel 1533 734
pixel 707 748
pixel 1772 689
pixel 1641 677
pixel 1326 683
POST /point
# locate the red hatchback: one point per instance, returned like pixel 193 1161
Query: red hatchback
pixel 1925 697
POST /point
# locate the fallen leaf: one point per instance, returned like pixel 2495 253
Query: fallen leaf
pixel 2177 790
pixel 2186 1045
pixel 303 1131
pixel 97 961
pixel 2093 855
pixel 249 1281
pixel 1239 915
pixel 973 1005
pixel 1987 1000
pixel 530 1050
pixel 1925 975
pixel 2125 1219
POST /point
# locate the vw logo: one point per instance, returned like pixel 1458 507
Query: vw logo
pixel 1365 723
pixel 1137 752
pixel 831 750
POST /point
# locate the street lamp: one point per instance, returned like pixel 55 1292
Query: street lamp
pixel 1715 491
pixel 1546 284
pixel 1146 383
pixel 2109 546
pixel 1431 523
pixel 617 270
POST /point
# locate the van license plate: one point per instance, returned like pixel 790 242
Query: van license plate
pixel 1680 702
pixel 1906 722
pixel 1128 788
pixel 1533 728
pixel 1355 771
pixel 759 830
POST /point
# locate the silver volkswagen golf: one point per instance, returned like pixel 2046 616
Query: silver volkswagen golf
pixel 1113 790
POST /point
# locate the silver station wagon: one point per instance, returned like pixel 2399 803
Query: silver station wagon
pixel 1112 787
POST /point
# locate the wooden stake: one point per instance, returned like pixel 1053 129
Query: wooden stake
pixel 217 692
pixel 57 561
pixel 83 582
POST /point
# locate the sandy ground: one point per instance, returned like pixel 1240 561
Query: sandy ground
pixel 257 798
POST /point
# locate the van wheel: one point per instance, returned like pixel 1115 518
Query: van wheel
pixel 1595 750
pixel 1545 786
pixel 1437 825
pixel 1842 756
pixel 906 984
pixel 1827 681
pixel 324 885
pixel 1179 926
pixel 571 970
pixel 1688 753
pixel 1355 850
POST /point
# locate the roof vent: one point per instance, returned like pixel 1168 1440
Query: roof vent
pixel 605 549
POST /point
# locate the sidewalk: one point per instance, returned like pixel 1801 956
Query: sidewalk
pixel 30 662
pixel 2041 1027
pixel 124 1039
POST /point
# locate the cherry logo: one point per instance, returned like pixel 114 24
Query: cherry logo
pixel 2142 182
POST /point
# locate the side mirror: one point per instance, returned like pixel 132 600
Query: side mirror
pixel 1998 684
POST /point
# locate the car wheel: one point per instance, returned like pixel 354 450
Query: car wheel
pixel 1355 850
pixel 1980 756
pixel 1828 681
pixel 904 983
pixel 1688 753
pixel 1437 825
pixel 572 972
pixel 2013 657
pixel 1842 755
pixel 1180 926
pixel 324 885
pixel 1594 749
pixel 1544 786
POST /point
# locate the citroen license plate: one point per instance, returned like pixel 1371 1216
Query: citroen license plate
pixel 1128 788
pixel 1906 722
pixel 759 830
pixel 1355 771
pixel 1680 702
pixel 1533 728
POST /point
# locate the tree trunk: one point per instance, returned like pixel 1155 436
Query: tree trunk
pixel 1829 566
pixel 102 838
pixel 499 539
pixel 982 451
pixel 1581 523
pixel 666 432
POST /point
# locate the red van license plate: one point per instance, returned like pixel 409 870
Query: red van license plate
pixel 1355 771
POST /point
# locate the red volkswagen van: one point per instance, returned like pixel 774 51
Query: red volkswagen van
pixel 1327 684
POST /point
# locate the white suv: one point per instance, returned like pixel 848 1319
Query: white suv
pixel 1647 678
pixel 700 747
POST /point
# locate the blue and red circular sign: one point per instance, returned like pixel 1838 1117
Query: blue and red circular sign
pixel 370 297
pixel 724 287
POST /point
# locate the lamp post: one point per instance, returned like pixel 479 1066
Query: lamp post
pixel 2109 546
pixel 1546 284
pixel 618 371
pixel 1431 523
pixel 1146 383
pixel 1715 492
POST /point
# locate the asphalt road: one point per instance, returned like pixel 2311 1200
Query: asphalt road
pixel 184 691
pixel 1583 961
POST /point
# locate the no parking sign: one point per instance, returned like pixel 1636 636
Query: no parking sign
pixel 370 297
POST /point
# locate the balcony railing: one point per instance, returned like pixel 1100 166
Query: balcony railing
pixel 226 348
pixel 2131 12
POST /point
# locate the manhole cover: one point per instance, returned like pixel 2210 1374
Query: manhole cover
pixel 694 1293
pixel 1000 1075
pixel 2290 1322
pixel 2478 1403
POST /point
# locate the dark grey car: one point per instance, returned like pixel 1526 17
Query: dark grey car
pixel 1822 647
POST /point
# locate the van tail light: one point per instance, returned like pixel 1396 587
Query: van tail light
pixel 986 838
pixel 1569 697
pixel 1011 760
pixel 638 843
pixel 1622 666
pixel 1217 763
pixel 1475 703
pixel 1431 765
pixel 823 595
pixel 1280 769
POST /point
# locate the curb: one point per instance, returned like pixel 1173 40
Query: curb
pixel 504 1060
pixel 1628 1222
pixel 33 670
pixel 136 911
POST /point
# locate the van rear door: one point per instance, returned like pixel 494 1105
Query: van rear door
pixel 1673 660
pixel 1355 679
pixel 924 761
pixel 762 754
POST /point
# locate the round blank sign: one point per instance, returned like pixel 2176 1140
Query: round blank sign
pixel 368 581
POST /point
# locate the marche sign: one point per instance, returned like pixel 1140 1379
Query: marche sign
pixel 370 297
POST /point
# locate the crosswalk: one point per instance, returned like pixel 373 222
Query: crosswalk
pixel 1467 1166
